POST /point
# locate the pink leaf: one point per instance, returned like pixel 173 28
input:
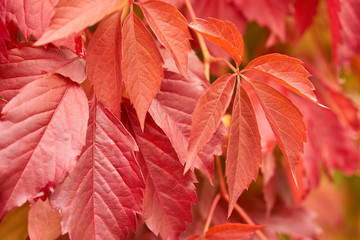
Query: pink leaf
pixel 165 212
pixel 141 65
pixel 285 120
pixel 73 16
pixel 287 71
pixel 43 221
pixel 333 8
pixel 44 129
pixel 99 198
pixel 103 62
pixel 171 29
pixel 207 115
pixel 231 231
pixel 223 34
pixel 28 64
pixel 243 157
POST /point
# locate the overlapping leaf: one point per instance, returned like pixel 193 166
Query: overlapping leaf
pixel 4 36
pixel 243 156
pixel 171 29
pixel 165 211
pixel 43 131
pixel 287 71
pixel 285 120
pixel 43 221
pixel 141 65
pixel 73 16
pixel 28 64
pixel 223 34
pixel 103 62
pixel 207 115
pixel 108 179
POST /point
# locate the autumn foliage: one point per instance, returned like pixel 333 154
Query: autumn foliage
pixel 177 119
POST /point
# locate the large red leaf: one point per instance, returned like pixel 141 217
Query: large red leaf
pixel 305 11
pixel 4 36
pixel 31 16
pixel 103 62
pixel 141 65
pixel 243 157
pixel 43 221
pixel 99 198
pixel 44 131
pixel 231 231
pixel 287 71
pixel 171 29
pixel 223 34
pixel 73 16
pixel 27 64
pixel 165 212
pixel 285 120
pixel 273 14
pixel 207 115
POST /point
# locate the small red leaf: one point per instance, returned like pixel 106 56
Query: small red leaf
pixel 73 16
pixel 43 221
pixel 165 212
pixel 43 130
pixel 223 34
pixel 103 62
pixel 207 115
pixel 171 29
pixel 288 71
pixel 28 64
pixel 305 11
pixel 285 120
pixel 231 231
pixel 244 147
pixel 99 198
pixel 141 65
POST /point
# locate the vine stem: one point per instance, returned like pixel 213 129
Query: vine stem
pixel 211 212
pixel 237 208
pixel 214 59
pixel 201 41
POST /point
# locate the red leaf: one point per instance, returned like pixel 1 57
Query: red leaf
pixel 285 120
pixel 99 198
pixel 43 221
pixel 243 157
pixel 207 115
pixel 223 34
pixel 44 129
pixel 73 16
pixel 171 29
pixel 31 16
pixel 28 64
pixel 103 62
pixel 319 150
pixel 175 119
pixel 333 8
pixel 231 231
pixel 165 211
pixel 4 36
pixel 273 14
pixel 305 11
pixel 288 71
pixel 141 65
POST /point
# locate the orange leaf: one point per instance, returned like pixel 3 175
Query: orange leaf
pixel 231 231
pixel 288 71
pixel 171 29
pixel 223 34
pixel 141 65
pixel 103 62
pixel 285 120
pixel 244 147
pixel 207 115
